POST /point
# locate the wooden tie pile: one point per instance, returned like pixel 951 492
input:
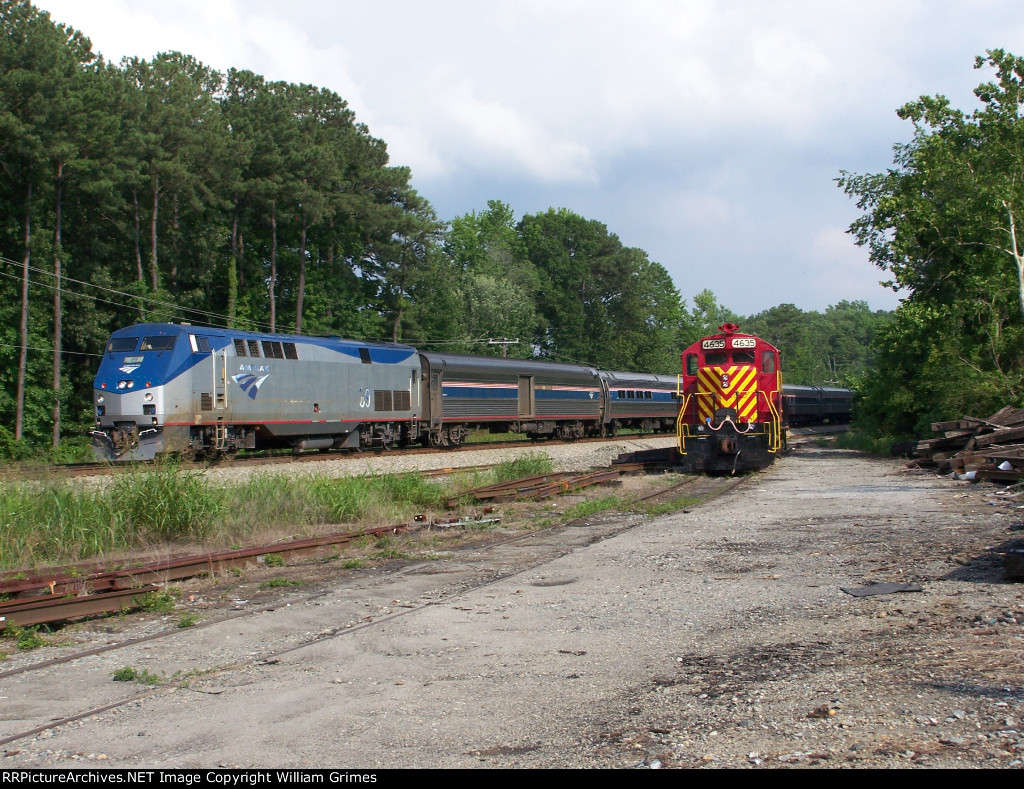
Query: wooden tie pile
pixel 983 449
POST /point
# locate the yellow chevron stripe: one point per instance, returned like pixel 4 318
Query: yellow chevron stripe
pixel 740 394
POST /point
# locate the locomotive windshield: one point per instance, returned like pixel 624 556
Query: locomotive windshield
pixel 161 343
pixel 122 344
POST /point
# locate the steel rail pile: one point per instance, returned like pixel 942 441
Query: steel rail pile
pixel 63 594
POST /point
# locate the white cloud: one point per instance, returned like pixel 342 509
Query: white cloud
pixel 707 128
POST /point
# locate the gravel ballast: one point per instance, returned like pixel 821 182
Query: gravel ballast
pixel 717 636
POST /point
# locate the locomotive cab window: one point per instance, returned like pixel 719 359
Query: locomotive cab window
pixel 122 344
pixel 719 357
pixel 161 343
pixel 743 357
pixel 200 344
pixel 767 362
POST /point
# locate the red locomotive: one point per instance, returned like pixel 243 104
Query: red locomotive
pixel 730 416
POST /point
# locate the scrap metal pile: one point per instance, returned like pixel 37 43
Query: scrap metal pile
pixel 977 449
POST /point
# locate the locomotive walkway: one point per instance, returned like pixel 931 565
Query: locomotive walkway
pixel 717 636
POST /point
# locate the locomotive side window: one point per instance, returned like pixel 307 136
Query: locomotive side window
pixel 122 344
pixel 240 348
pixel 692 363
pixel 202 344
pixel 157 343
pixel 767 362
pixel 622 394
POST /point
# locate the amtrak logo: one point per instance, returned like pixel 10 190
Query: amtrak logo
pixel 128 369
pixel 250 383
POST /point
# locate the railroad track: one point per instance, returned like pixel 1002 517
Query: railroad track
pixel 548 545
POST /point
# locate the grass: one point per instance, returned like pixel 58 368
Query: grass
pixel 592 507
pixel 671 505
pixel 856 438
pixel 131 674
pixel 25 638
pixel 187 620
pixel 155 602
pixel 278 583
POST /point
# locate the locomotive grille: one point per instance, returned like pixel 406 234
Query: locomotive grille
pixel 382 400
pixel 205 402
pixel 402 401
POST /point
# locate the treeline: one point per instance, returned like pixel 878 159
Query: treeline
pixel 946 222
pixel 165 190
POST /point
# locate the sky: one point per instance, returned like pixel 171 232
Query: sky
pixel 707 133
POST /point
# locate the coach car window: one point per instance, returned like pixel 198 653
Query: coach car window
pixel 157 343
pixel 122 344
pixel 767 362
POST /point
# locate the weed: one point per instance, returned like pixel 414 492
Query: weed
pixel 672 505
pixel 275 583
pixel 529 465
pixel 131 674
pixel 591 507
pixel 353 564
pixel 26 638
pixel 187 620
pixel 156 602
pixel 390 553
pixel 273 560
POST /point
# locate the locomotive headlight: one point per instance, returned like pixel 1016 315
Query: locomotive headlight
pixel 99 400
pixel 125 384
pixel 149 397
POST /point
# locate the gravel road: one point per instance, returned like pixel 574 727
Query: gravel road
pixel 717 636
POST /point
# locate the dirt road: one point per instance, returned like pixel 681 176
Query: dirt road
pixel 718 636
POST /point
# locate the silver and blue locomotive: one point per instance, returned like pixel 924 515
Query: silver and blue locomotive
pixel 177 388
